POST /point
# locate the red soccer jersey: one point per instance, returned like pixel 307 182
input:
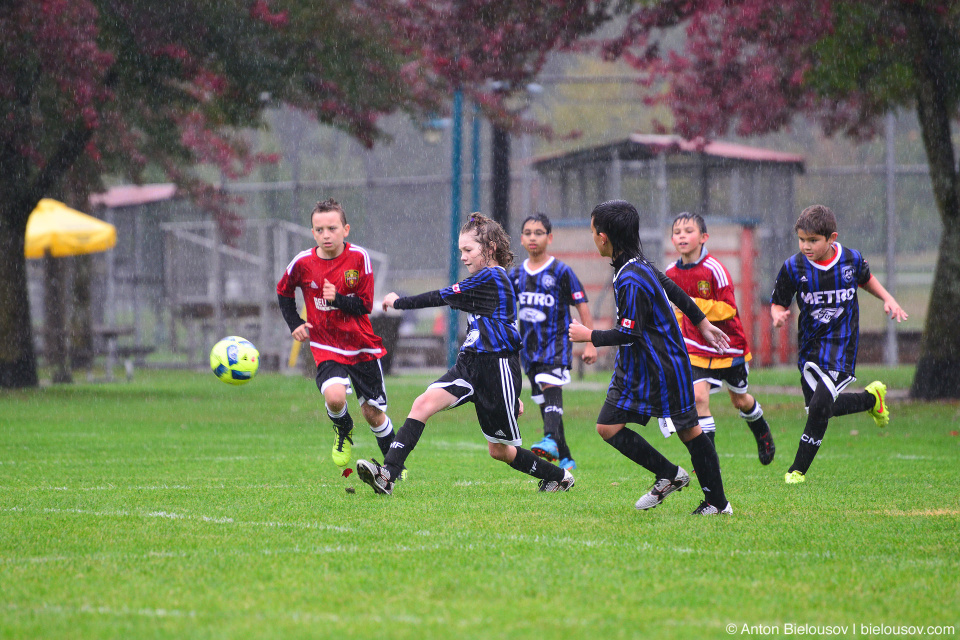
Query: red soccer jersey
pixel 336 335
pixel 708 282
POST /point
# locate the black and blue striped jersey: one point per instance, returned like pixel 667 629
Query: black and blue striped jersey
pixel 652 373
pixel 544 297
pixel 489 299
pixel 828 324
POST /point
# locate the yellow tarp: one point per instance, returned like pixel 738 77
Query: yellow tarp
pixel 55 227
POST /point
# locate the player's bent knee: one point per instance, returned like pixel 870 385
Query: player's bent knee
pixel 607 431
pixel 499 451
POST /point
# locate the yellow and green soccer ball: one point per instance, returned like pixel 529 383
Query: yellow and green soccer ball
pixel 234 360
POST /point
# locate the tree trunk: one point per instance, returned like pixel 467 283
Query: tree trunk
pixel 18 365
pixel 938 367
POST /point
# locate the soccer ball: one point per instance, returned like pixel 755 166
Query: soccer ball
pixel 234 360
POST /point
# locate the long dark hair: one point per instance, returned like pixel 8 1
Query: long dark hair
pixel 621 222
pixel 494 241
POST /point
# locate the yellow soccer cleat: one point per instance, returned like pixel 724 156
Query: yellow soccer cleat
pixel 880 410
pixel 794 477
pixel 342 447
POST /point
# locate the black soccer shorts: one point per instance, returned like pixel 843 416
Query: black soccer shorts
pixel 541 373
pixel 813 376
pixel 363 378
pixel 733 378
pixel 612 414
pixel 492 383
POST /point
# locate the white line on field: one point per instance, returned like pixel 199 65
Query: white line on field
pixel 104 611
pixel 180 516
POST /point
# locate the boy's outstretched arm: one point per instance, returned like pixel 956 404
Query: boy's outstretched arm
pixel 779 315
pixel 890 306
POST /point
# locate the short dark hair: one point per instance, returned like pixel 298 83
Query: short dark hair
pixel 620 220
pixel 696 217
pixel 538 217
pixel 494 241
pixel 329 205
pixel 817 219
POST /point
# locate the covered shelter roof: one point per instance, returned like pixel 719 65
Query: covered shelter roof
pixel 646 146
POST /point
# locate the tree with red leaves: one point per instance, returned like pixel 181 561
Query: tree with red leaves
pixel 112 87
pixel 751 66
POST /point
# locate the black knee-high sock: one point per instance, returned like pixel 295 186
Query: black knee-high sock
pixel 818 416
pixel 343 421
pixel 847 403
pixel 528 463
pixel 552 412
pixel 705 462
pixel 632 445
pixel 406 439
pixel 755 420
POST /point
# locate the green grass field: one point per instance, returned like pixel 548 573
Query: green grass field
pixel 178 507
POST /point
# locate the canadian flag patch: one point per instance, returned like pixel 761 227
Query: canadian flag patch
pixel 627 323
pixel 456 288
pixel 578 295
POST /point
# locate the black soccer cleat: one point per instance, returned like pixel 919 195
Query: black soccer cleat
pixel 765 448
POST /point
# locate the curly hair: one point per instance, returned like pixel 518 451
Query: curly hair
pixel 494 241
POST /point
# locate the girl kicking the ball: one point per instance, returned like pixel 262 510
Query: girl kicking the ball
pixel 487 371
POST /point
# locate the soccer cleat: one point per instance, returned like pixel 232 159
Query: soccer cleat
pixel 661 489
pixel 765 448
pixel 567 464
pixel 880 411
pixel 549 486
pixel 707 509
pixel 403 475
pixel 794 477
pixel 546 449
pixel 342 446
pixel 376 476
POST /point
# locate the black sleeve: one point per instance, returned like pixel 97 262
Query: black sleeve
pixel 288 308
pixel 679 297
pixel 350 304
pixel 477 294
pixel 783 290
pixel 428 299
pixel 609 337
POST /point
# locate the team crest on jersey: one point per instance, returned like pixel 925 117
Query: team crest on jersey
pixel 703 288
pixel 847 274
pixel 352 278
pixel 549 281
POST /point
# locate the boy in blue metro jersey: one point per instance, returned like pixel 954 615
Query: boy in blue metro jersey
pixel 546 289
pixel 824 277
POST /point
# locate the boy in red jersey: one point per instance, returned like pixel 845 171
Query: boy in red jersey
pixel 336 279
pixel 708 282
